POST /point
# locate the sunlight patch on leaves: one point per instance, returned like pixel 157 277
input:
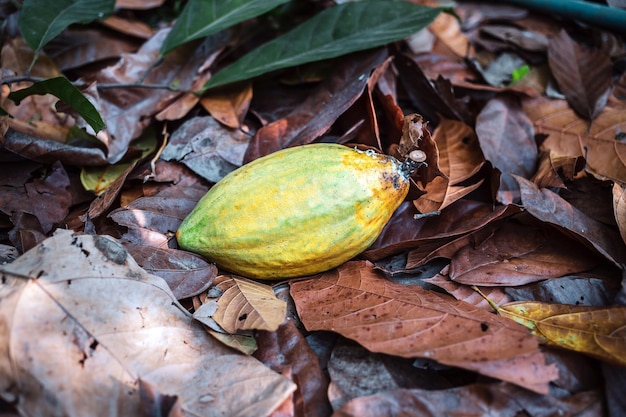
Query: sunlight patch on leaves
pixel 336 31
pixel 106 323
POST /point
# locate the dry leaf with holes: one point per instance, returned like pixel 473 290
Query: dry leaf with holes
pixel 248 305
pixel 357 302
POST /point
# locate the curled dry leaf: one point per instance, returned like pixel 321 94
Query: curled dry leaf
pixel 359 303
pixel 405 232
pixel 81 323
pixel 248 305
pixel 460 158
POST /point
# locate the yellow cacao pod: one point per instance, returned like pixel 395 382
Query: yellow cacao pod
pixel 296 212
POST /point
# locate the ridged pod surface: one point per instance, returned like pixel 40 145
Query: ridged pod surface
pixel 296 212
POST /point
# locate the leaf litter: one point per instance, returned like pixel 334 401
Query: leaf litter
pixel 522 197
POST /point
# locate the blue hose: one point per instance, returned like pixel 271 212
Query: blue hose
pixel 611 18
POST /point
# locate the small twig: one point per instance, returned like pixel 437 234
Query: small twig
pixel 166 137
pixel 104 86
pixel 13 80
pixel 138 84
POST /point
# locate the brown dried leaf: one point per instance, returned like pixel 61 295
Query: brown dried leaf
pixel 228 105
pixel 619 208
pixel 569 135
pixel 549 207
pixel 472 400
pixel 313 117
pixel 408 321
pixel 507 140
pixel 583 75
pixel 517 254
pixel 429 102
pixel 129 26
pixel 186 274
pixel 127 111
pixel 43 194
pixel 287 352
pixel 551 165
pixel 106 323
pixel 460 158
pixel 248 305
pixel 404 232
pixel 466 293
pixel 207 147
pixel 77 47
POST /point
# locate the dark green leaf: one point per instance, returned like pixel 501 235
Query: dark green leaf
pixel 201 18
pixel 63 89
pixel 336 31
pixel 42 20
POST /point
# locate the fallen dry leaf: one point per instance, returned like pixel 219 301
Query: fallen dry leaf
pixel 286 351
pixel 619 208
pixel 596 331
pixel 570 135
pixel 404 232
pixel 82 323
pixel 359 303
pixel 583 75
pixel 228 105
pixel 517 254
pixel 507 140
pixel 459 159
pixel 549 207
pixel 320 110
pixel 207 147
pixel 44 193
pixel 247 305
pixel 473 400
pixel 466 293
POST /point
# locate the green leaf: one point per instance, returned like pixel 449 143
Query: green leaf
pixel 201 18
pixel 42 20
pixel 519 73
pixel 339 30
pixel 63 89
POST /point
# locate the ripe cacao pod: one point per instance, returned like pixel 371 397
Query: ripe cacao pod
pixel 296 212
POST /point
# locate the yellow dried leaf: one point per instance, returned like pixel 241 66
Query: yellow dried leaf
pixel 596 331
pixel 248 305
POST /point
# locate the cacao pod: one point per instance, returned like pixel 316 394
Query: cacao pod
pixel 296 212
